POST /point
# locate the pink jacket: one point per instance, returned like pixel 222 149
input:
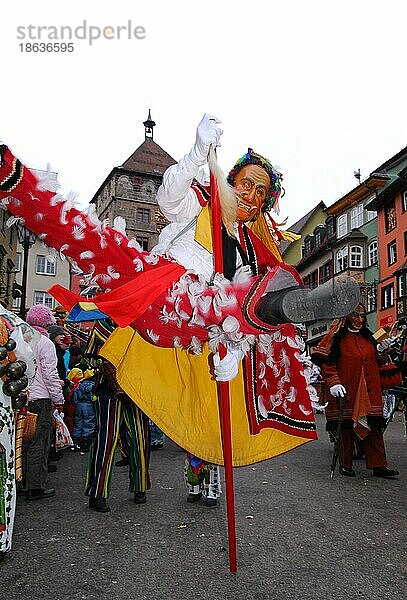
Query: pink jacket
pixel 46 382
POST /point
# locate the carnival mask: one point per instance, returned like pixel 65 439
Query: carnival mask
pixel 357 318
pixel 252 185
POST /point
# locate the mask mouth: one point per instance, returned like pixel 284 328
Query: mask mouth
pixel 249 208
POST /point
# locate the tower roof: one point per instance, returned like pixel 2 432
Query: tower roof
pixel 149 158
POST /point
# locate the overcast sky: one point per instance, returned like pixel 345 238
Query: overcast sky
pixel 318 87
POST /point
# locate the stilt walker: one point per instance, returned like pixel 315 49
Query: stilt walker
pixel 175 310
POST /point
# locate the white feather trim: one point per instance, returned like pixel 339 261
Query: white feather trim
pixel 119 224
pixel 79 220
pixel 153 336
pixel 112 272
pixel 76 270
pixel 62 250
pixel 195 346
pixel 138 265
pixel 65 208
pixel 133 243
pixel 48 181
pixel 78 232
pixel 151 258
pixel 86 254
pixel 14 221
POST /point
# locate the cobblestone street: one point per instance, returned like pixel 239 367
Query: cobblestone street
pixel 300 534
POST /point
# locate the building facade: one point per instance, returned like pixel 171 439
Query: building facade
pixel 293 251
pixel 364 237
pixel 391 207
pixel 129 191
pixel 44 270
pixel 345 247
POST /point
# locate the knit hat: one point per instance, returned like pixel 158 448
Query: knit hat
pixel 54 330
pixel 75 374
pixel 41 315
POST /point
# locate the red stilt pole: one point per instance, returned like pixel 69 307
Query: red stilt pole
pixel 223 390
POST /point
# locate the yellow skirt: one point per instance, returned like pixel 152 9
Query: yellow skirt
pixel 175 390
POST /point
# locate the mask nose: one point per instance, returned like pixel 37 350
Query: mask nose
pixel 249 194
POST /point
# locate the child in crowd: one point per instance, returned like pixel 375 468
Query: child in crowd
pixel 84 423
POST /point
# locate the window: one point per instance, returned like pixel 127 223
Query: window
pixel 372 251
pixel 143 241
pixel 142 215
pixel 309 244
pixel 392 253
pixel 342 259
pixel 43 298
pixel 313 279
pixel 18 262
pixel 325 272
pixel 370 214
pixel 342 225
pixel 401 285
pixel 330 227
pixel 356 216
pixel 390 219
pixel 320 235
pixel 387 296
pixel 371 300
pixel 356 256
pixel 43 266
pixel 404 201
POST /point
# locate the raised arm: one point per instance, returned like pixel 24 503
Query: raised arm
pixel 175 197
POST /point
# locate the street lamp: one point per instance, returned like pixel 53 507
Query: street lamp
pixel 26 239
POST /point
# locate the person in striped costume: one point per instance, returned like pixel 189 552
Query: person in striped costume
pixel 115 412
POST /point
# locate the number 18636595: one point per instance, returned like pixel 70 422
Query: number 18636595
pixel 49 47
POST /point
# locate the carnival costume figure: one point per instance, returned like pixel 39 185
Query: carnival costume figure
pixel 116 412
pixel 174 302
pixel 350 359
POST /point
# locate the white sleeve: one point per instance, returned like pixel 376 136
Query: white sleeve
pixel 176 199
pixel 48 366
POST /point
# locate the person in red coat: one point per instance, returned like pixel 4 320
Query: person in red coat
pixel 350 359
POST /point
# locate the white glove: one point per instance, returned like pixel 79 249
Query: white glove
pixel 227 368
pixel 208 132
pixel 337 391
pixel 384 345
